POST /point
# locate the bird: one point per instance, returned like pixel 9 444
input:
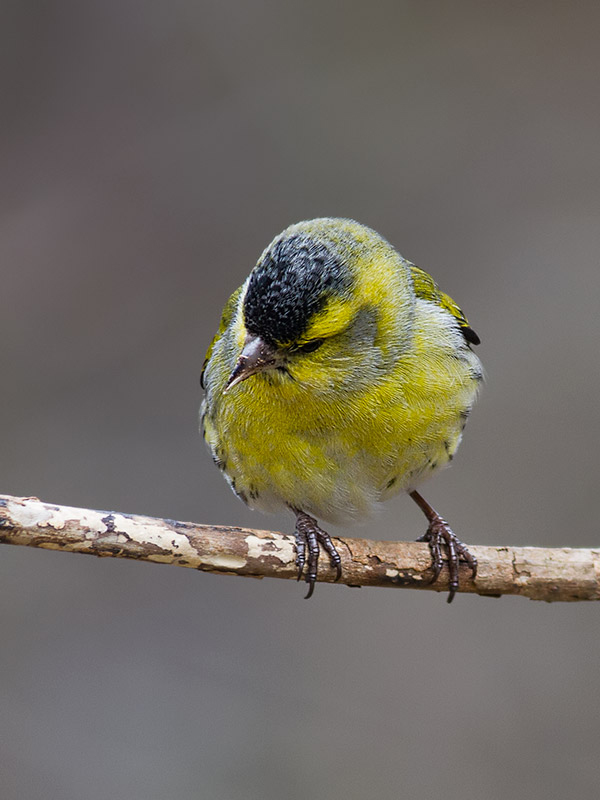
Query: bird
pixel 340 375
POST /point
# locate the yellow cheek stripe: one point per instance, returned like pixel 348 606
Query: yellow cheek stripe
pixel 334 318
pixel 239 329
pixel 378 284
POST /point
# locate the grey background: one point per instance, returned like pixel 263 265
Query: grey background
pixel 149 151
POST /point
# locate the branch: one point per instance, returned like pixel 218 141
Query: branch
pixel 535 572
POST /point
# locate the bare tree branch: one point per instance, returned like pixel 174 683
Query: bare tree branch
pixel 535 572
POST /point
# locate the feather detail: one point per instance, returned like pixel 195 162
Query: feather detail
pixel 427 289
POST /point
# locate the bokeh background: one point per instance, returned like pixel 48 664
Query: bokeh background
pixel 149 151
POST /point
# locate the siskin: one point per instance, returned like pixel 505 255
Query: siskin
pixel 340 375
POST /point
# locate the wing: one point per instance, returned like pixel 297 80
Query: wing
pixel 427 289
pixel 228 313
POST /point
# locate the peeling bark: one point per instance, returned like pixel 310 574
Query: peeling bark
pixel 535 572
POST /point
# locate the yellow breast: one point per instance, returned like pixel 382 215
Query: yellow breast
pixel 337 453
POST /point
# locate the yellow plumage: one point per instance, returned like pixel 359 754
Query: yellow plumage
pixel 361 385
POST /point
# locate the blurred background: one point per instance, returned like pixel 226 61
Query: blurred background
pixel 149 152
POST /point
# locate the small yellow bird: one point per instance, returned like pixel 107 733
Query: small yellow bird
pixel 340 375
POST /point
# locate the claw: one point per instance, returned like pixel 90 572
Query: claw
pixel 440 533
pixel 300 554
pixel 308 538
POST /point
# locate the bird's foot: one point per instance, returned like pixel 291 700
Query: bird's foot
pixel 308 538
pixel 440 533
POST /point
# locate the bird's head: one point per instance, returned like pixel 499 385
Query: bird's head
pixel 327 303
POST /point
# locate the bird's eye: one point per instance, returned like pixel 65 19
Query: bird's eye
pixel 311 346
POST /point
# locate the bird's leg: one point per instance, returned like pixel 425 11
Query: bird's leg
pixel 438 533
pixel 308 537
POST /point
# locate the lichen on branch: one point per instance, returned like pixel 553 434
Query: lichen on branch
pixel 550 574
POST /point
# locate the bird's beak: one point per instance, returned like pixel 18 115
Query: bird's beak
pixel 256 356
